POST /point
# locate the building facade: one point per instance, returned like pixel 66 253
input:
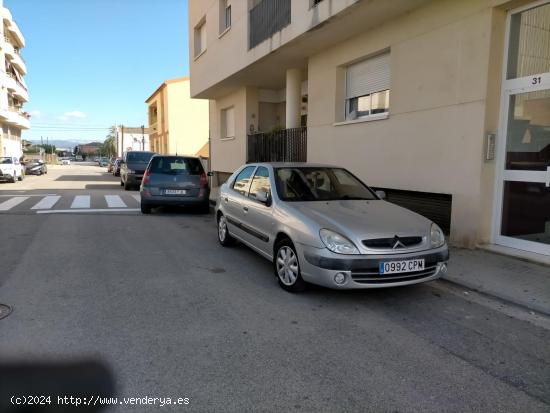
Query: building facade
pixel 178 123
pixel 444 104
pixel 131 139
pixel 13 92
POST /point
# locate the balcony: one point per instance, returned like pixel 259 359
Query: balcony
pixel 286 145
pixel 19 62
pixel 267 18
pixel 16 117
pixel 8 48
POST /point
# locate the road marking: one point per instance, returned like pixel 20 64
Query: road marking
pixel 82 211
pixel 35 195
pixel 81 201
pixel 10 203
pixel 137 197
pixel 47 203
pixel 115 201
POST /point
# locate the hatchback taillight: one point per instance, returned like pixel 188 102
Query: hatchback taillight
pixel 204 180
pixel 146 177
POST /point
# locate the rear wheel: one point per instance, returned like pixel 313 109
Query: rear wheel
pixel 223 232
pixel 13 178
pixel 145 209
pixel 287 267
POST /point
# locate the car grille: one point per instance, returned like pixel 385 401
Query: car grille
pixel 374 277
pixel 388 243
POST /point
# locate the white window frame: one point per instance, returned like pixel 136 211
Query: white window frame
pixel 200 38
pixel 225 10
pixel 380 86
pixel 224 129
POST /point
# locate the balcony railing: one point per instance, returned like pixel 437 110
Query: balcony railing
pixel 267 18
pixel 286 145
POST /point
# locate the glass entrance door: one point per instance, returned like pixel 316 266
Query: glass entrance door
pixel 523 218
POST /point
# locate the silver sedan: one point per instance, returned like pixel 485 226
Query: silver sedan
pixel 320 224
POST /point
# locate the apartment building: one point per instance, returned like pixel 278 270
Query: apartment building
pixel 13 92
pixel 178 123
pixel 130 138
pixel 444 104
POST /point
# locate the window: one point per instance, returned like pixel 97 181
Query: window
pixel 368 87
pixel 172 165
pixel 260 182
pixel 225 15
pixel 228 123
pixel 200 38
pixel 242 181
pixel 320 184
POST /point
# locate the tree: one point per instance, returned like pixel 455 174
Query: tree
pixel 109 145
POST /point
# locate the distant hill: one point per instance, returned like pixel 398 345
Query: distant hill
pixel 59 143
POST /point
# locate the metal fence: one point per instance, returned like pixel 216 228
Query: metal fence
pixel 267 18
pixel 286 145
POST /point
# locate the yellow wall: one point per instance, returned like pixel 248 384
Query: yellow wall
pixel 182 123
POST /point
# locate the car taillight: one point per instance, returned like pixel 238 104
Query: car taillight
pixel 146 177
pixel 204 180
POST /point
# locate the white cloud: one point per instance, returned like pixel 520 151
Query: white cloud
pixel 75 114
pixel 35 114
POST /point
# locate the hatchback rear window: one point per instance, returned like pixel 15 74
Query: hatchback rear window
pixel 139 156
pixel 176 165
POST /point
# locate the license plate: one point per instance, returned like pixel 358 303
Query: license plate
pixel 175 191
pixel 392 267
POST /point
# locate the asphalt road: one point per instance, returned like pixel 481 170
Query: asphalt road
pixel 173 314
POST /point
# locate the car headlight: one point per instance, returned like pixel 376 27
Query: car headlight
pixel 437 238
pixel 337 243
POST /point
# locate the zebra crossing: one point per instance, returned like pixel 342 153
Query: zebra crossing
pixel 60 204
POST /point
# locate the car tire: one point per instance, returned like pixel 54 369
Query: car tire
pixel 21 177
pixel 13 178
pixel 287 267
pixel 205 208
pixel 145 209
pixel 127 186
pixel 224 237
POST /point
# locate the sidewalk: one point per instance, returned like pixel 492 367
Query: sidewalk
pixel 521 282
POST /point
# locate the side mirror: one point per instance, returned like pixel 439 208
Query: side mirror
pixel 263 197
pixel 381 194
pixel 210 173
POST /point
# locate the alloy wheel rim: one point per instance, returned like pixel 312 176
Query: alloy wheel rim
pixel 222 229
pixel 287 266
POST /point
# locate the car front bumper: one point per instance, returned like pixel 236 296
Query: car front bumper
pixel 5 176
pixel 320 266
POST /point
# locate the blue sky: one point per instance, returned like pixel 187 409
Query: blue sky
pixel 92 63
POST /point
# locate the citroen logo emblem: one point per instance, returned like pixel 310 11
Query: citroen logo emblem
pixel 397 243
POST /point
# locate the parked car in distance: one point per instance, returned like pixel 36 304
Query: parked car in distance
pixel 116 167
pixel 65 161
pixel 10 169
pixel 320 224
pixel 35 167
pixel 174 180
pixel 132 168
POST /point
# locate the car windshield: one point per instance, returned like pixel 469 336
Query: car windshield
pixel 5 160
pixel 139 156
pixel 175 165
pixel 320 184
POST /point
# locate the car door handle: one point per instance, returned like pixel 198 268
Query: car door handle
pixel 245 209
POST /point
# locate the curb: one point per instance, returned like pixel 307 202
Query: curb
pixel 502 297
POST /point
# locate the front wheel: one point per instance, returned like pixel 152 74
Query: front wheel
pixel 13 178
pixel 223 232
pixel 287 267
